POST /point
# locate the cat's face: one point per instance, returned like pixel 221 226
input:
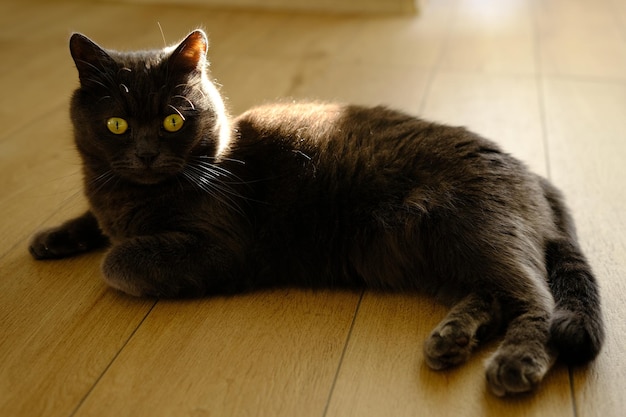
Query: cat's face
pixel 144 116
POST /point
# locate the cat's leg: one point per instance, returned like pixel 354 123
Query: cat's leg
pixel 472 320
pixel 525 355
pixel 167 265
pixel 75 236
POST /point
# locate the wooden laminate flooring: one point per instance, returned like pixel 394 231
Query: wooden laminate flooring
pixel 545 78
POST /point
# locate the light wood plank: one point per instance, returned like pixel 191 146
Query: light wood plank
pixel 39 155
pixel 243 89
pixel 586 131
pixel 580 39
pixel 277 353
pixel 506 109
pixel 384 373
pixel 401 88
pixel 399 41
pixel 316 6
pixel 491 36
pixel 503 108
pixel 61 327
pixel 271 354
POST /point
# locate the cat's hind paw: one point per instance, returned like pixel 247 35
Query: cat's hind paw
pixel 447 346
pixel 515 370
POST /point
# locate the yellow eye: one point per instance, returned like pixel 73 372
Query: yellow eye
pixel 117 125
pixel 173 122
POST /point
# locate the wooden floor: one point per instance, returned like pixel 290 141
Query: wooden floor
pixel 546 78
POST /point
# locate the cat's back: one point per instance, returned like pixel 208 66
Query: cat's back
pixel 347 132
pixel 349 139
pixel 340 175
pixel 288 122
pixel 364 158
pixel 322 122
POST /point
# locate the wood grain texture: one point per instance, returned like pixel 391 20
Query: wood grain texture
pixel 546 79
pixel 319 6
pixel 272 354
pixel 587 138
pixel 383 372
pixel 61 328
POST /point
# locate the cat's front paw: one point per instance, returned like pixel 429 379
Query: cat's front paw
pixel 516 369
pixel 75 236
pixel 448 346
pixel 122 272
pixel 147 267
pixel 55 243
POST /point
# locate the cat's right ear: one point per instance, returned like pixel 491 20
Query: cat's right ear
pixel 190 55
pixel 89 58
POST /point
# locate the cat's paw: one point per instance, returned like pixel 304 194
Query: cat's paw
pixel 121 272
pixel 447 346
pixel 577 336
pixel 516 369
pixel 55 243
pixel 141 267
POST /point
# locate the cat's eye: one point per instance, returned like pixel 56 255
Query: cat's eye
pixel 173 122
pixel 117 125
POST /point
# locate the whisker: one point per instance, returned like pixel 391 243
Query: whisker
pixel 220 171
pixel 102 180
pixel 213 179
pixel 212 190
pixel 176 110
pixel 206 174
pixel 221 159
pixel 82 61
pixel 187 100
pixel 223 188
pixel 93 80
pixel 217 175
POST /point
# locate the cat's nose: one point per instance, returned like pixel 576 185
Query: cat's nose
pixel 147 157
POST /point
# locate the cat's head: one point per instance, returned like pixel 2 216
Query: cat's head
pixel 142 116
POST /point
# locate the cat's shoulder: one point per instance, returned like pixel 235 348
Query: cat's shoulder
pixel 291 112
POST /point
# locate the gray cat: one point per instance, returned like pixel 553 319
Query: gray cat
pixel 192 203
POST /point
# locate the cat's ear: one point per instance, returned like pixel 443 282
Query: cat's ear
pixel 190 54
pixel 89 58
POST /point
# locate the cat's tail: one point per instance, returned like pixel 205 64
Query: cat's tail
pixel 577 328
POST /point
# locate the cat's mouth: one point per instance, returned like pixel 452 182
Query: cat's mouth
pixel 149 177
pixel 147 174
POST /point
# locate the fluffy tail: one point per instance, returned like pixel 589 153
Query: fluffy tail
pixel 577 329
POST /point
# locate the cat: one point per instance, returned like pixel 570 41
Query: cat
pixel 191 202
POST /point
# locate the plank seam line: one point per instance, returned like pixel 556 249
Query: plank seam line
pixel 541 102
pixel 112 361
pixel 343 354
pixel 63 205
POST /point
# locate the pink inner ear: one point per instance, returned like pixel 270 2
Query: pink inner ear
pixel 193 49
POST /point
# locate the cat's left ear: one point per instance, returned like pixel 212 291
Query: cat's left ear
pixel 190 55
pixel 89 58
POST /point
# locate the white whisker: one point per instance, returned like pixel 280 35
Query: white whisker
pixel 212 189
pixel 102 180
pixel 187 100
pixel 176 111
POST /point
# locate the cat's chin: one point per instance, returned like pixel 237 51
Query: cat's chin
pixel 147 177
pixel 148 181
